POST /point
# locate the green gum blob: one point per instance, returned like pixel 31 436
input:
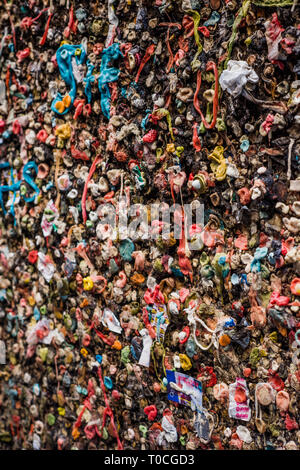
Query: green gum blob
pixel 43 353
pixel 253 241
pixel 220 125
pixel 274 431
pixel 50 419
pixel 202 129
pixel 105 434
pixel 125 355
pixel 143 430
pixel 204 259
pixel 43 310
pixel 254 357
pixel 158 266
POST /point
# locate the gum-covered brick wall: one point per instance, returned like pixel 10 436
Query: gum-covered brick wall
pixel 149 224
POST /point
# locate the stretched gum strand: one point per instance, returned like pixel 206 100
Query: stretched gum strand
pixel 82 252
pixel 72 25
pixel 171 56
pixel 108 411
pixel 159 114
pixel 240 15
pixel 28 21
pixel 43 40
pixel 210 66
pixel 196 18
pixel 196 141
pixel 84 194
pixel 149 52
pixel 188 26
pixel 184 262
pixel 57 164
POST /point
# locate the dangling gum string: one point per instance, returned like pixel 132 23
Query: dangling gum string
pixel 289 172
pixel 184 261
pixel 196 141
pixel 108 412
pixel 50 14
pixel 241 14
pixel 28 21
pixel 210 66
pixel 183 44
pixel 172 190
pixel 182 206
pixel 198 86
pixel 81 252
pixel 84 194
pixel 168 100
pixel 72 25
pixel 31 427
pixel 86 404
pixel 78 422
pixel 149 52
pixel 120 196
pixel 159 114
pixel 196 18
pixel 57 158
pixel 188 25
pixel 295 2
pixel 171 56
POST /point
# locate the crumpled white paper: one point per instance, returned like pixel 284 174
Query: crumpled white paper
pixel 110 321
pixel 169 432
pixel 235 77
pixel 47 269
pixel 147 343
